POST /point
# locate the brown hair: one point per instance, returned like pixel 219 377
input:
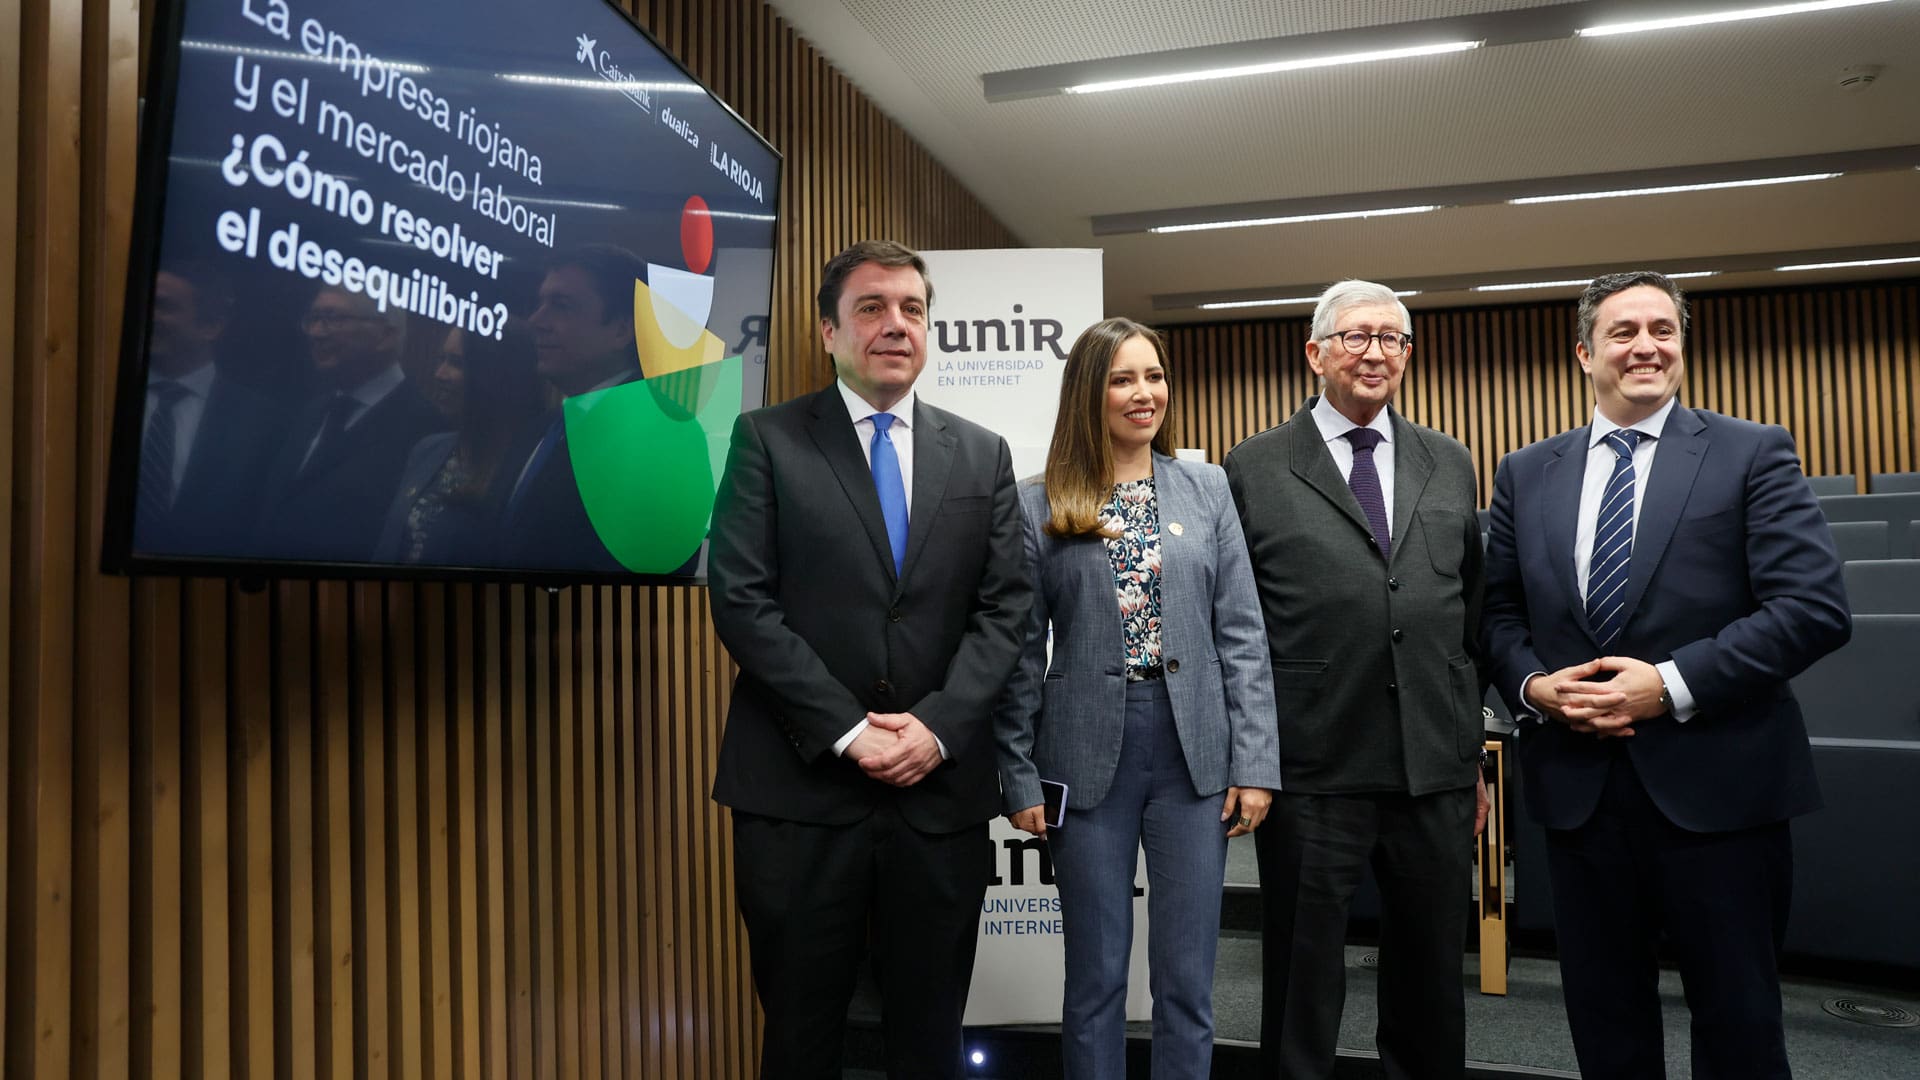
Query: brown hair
pixel 884 252
pixel 1606 285
pixel 1080 461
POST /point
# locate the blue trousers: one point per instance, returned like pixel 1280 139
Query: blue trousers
pixel 1151 802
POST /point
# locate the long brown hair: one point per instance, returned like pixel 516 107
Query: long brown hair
pixel 1080 461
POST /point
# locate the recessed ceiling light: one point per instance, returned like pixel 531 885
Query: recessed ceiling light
pixel 1670 189
pixel 1208 74
pixel 1737 15
pixel 1247 223
pixel 1851 263
pixel 1515 285
pixel 1226 305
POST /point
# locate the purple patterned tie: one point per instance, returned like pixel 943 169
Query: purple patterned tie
pixel 1365 482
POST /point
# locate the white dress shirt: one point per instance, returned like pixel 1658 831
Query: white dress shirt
pixel 1334 425
pixel 1593 486
pixel 861 413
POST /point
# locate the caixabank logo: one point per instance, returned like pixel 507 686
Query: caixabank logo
pixel 648 453
pixel 587 51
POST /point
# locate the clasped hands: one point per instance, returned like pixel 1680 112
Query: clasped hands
pixel 1605 709
pixel 895 748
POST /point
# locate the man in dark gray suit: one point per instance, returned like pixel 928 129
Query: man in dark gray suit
pixel 867 574
pixel 1366 552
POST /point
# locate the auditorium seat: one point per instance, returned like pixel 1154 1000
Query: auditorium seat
pixel 1895 508
pixel 1864 690
pixel 1861 539
pixel 1833 485
pixel 1854 874
pixel 1884 587
pixel 1893 482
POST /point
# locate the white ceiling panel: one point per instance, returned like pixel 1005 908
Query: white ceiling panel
pixel 1563 106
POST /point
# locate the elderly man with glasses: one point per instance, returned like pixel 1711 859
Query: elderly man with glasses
pixel 1367 555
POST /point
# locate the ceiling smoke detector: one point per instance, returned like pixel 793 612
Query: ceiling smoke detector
pixel 1857 77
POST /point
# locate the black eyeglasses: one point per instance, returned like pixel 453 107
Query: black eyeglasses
pixel 1392 342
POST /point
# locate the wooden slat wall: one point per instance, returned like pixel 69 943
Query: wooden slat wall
pixel 1837 366
pixel 351 829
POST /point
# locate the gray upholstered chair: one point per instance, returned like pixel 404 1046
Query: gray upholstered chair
pixel 1861 539
pixel 1863 689
pixel 1893 482
pixel 1884 587
pixel 1895 508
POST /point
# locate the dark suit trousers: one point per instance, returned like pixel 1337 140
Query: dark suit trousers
pixel 1629 878
pixel 1312 851
pixel 817 897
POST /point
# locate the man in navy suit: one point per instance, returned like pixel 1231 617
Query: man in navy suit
pixel 1653 581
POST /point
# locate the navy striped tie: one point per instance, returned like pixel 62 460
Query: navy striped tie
pixel 1612 543
pixel 157 451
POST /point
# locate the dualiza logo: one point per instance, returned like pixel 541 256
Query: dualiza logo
pixel 587 51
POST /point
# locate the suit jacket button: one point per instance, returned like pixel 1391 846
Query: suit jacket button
pixel 1393 583
pixel 883 688
pixel 1397 635
pixel 894 615
pixel 1393 688
pixel 1173 667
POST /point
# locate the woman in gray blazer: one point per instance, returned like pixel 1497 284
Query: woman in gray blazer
pixel 1155 709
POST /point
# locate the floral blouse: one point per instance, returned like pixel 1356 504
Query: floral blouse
pixel 1135 555
pixel 431 502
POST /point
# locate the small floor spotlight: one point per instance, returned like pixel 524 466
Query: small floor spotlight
pixel 977 1057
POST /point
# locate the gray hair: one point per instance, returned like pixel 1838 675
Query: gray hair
pixel 1343 296
pixel 1606 285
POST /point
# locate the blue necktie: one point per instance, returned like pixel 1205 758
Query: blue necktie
pixel 891 488
pixel 1365 482
pixel 1612 543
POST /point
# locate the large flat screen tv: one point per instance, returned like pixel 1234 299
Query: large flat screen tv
pixel 433 289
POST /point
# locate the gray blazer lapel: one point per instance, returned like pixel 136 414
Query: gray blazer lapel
pixel 1412 468
pixel 1559 516
pixel 840 445
pixel 1313 464
pixel 1180 504
pixel 1676 462
pixel 932 463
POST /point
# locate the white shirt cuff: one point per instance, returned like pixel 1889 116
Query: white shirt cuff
pixel 840 744
pixel 1683 704
pixel 1527 711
